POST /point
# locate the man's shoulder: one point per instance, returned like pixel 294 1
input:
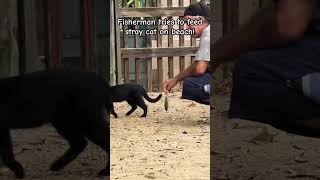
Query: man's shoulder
pixel 206 31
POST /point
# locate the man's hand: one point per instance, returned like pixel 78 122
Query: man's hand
pixel 169 84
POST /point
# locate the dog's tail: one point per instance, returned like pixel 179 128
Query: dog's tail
pixel 145 95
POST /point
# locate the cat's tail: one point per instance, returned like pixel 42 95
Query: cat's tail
pixel 145 95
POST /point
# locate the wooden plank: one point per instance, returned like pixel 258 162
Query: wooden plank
pixel 20 33
pixel 243 10
pixel 21 40
pixel 230 19
pixel 216 25
pixel 126 70
pixel 264 3
pixel 181 41
pixel 138 70
pixel 89 36
pixel 118 39
pixel 170 44
pixel 136 4
pixel 230 13
pixel 7 39
pixel 126 59
pixel 137 39
pixel 149 60
pixel 152 12
pixel 137 60
pixel 102 42
pixel 193 40
pixel 160 72
pixel 4 9
pixel 54 53
pixel 113 44
pixel 137 45
pixel 30 37
pixel 159 59
pixel 149 75
pixel 181 63
pixel 158 52
pixel 170 68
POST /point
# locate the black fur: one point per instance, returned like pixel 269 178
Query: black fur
pixel 73 102
pixel 132 93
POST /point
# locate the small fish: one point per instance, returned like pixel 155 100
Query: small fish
pixel 166 103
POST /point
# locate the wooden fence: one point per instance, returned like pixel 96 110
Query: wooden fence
pixel 155 50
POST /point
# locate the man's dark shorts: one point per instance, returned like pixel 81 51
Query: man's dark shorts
pixel 193 88
pixel 260 83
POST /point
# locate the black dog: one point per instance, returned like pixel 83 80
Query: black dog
pixel 132 93
pixel 73 102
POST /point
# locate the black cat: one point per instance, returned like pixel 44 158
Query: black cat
pixel 73 102
pixel 132 93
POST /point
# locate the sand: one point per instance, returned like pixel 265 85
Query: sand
pixel 243 150
pixel 37 148
pixel 165 145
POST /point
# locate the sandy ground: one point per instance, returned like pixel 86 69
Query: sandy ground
pixel 37 148
pixel 243 150
pixel 165 145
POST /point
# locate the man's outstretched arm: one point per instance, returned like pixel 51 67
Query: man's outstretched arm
pixel 274 26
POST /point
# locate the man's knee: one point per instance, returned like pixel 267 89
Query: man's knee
pixel 194 93
pixel 198 81
pixel 194 88
pixel 189 82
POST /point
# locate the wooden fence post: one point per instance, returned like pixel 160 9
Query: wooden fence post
pixel 126 60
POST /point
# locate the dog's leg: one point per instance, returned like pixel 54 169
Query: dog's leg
pixel 133 107
pixel 141 104
pixel 98 132
pixel 76 141
pixel 6 152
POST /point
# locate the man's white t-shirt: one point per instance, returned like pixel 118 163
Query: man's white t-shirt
pixel 203 53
